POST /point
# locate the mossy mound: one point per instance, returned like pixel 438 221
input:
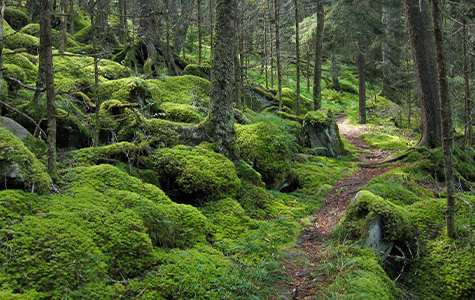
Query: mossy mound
pixel 15 204
pixel 358 275
pixel 179 112
pixel 130 89
pixel 445 271
pixel 20 167
pixel 34 30
pixel 397 226
pixel 203 71
pixel 17 18
pixel 268 148
pixel 27 66
pixel 18 40
pixel 194 175
pixel 50 255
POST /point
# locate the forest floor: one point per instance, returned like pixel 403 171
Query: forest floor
pixel 311 245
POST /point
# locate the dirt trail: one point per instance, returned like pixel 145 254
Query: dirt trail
pixel 312 240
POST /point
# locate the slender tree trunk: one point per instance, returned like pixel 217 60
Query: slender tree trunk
pixel 467 101
pixel 446 109
pixel 317 76
pixel 220 123
pixel 266 52
pixel 45 51
pixel 307 68
pixel 423 44
pixel 211 26
pixel 2 13
pixel 361 62
pixel 64 26
pixel 334 73
pixel 237 61
pixel 123 21
pixel 277 50
pixel 172 69
pixel 269 9
pixel 200 38
pixel 297 53
pixel 71 16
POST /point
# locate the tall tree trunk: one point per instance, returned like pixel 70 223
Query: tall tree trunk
pixel 181 23
pixel 297 53
pixel 123 21
pixel 307 68
pixel 269 9
pixel 266 51
pixel 71 16
pixel 277 50
pixel 172 68
pixel 200 38
pixel 220 125
pixel 446 109
pixel 423 44
pixel 2 13
pixel 45 51
pixel 64 26
pixel 466 75
pixel 361 62
pixel 237 60
pixel 211 26
pixel 334 73
pixel 317 76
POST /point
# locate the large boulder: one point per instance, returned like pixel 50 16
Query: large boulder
pixel 321 133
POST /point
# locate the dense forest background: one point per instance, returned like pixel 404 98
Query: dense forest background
pixel 223 149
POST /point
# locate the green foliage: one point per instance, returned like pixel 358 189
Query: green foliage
pixel 318 118
pixel 194 174
pixel 28 68
pixel 14 205
pixel 14 71
pixel 16 159
pixel 18 40
pixel 50 255
pixel 179 112
pixel 84 35
pixel 268 147
pixel 247 173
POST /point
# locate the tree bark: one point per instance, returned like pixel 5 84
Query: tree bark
pixel 45 52
pixel 277 51
pixel 335 73
pixel 220 124
pixel 211 26
pixel 423 44
pixel 361 62
pixel 317 76
pixel 468 122
pixel 297 54
pixel 123 21
pixel 2 13
pixel 200 39
pixel 446 109
pixel 64 26
pixel 269 9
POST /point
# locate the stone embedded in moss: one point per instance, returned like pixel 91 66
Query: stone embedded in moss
pixel 179 112
pixel 50 255
pixel 20 167
pixel 268 148
pixel 203 71
pixel 321 133
pixel 246 172
pixel 194 175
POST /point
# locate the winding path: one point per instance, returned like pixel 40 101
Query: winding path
pixel 313 239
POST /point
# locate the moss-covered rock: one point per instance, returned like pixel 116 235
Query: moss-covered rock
pixel 194 175
pixel 268 148
pixel 18 40
pixel 179 112
pixel 203 71
pixel 20 167
pixel 34 30
pixel 321 133
pixel 17 18
pixel 50 255
pixel 27 66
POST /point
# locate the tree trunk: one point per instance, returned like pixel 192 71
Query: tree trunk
pixel 334 73
pixel 220 125
pixel 271 44
pixel 2 12
pixel 423 44
pixel 317 76
pixel 468 122
pixel 277 50
pixel 200 46
pixel 45 51
pixel 71 17
pixel 64 26
pixel 123 21
pixel 361 62
pixel 172 68
pixel 211 26
pixel 446 110
pixel 266 52
pixel 297 53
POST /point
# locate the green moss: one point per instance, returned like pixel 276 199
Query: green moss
pixel 445 271
pixel 18 40
pixel 180 113
pixel 386 141
pixel 366 207
pixel 203 71
pixel 318 118
pixel 34 30
pixel 50 255
pixel 84 35
pixel 156 132
pixel 268 148
pixel 15 158
pixel 14 205
pixel 194 174
pixel 28 295
pixel 131 89
pixel 16 17
pixel 29 69
pixel 355 273
pixel 14 71
pixel 246 172
pixel 259 203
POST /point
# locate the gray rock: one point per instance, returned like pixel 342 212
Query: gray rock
pixel 14 127
pixel 323 138
pixel 376 235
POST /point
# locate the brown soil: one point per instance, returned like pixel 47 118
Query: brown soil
pixel 312 241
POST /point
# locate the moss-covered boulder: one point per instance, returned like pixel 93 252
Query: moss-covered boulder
pixel 50 255
pixel 179 112
pixel 34 30
pixel 268 148
pixel 19 167
pixel 18 40
pixel 321 134
pixel 17 18
pixel 203 71
pixel 194 174
pixel 22 61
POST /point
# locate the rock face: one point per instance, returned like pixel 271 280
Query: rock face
pixel 320 132
pixel 375 236
pixel 15 128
